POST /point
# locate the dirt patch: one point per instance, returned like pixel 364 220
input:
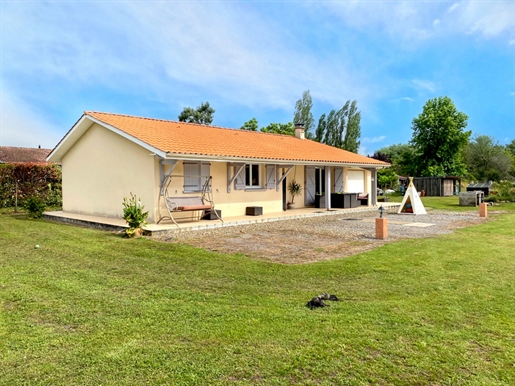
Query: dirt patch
pixel 321 238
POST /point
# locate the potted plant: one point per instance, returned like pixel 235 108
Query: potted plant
pixel 295 189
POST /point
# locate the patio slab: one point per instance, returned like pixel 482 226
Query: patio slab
pixel 162 229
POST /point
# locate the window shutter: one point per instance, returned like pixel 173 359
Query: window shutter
pixel 309 197
pixel 205 172
pixel 338 180
pixel 191 177
pixel 270 176
pixel 239 181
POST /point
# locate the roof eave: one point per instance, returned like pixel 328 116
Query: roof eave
pixel 81 126
pixel 215 158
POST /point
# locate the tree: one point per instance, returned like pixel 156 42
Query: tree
pixel 487 160
pixel 279 128
pixel 511 147
pixel 439 138
pixel 303 114
pixel 341 128
pixel 203 114
pixel 353 129
pixel 250 125
pixel 322 124
pixel 387 178
pixel 401 156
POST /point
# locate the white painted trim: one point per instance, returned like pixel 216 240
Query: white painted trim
pixel 267 161
pixel 144 145
pixel 81 126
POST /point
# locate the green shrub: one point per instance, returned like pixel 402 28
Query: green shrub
pixel 19 182
pixel 134 215
pixel 35 207
pixel 504 191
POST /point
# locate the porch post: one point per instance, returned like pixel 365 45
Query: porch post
pixel 327 173
pixel 373 173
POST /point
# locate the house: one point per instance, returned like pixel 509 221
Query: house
pixel 10 154
pixel 106 156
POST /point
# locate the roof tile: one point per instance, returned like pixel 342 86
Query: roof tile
pixel 9 154
pixel 189 138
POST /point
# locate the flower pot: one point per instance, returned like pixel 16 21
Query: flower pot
pixel 290 205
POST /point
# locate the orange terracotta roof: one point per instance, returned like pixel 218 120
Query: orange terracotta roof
pixel 9 154
pixel 188 138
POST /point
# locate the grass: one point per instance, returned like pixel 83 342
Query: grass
pixel 89 307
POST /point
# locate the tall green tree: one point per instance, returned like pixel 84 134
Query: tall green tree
pixel 250 125
pixel 341 128
pixel 321 128
pixel 351 140
pixel 511 147
pixel 303 114
pixel 439 138
pixel 487 160
pixel 279 128
pixel 203 114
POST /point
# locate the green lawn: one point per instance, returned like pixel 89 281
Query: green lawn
pixel 89 308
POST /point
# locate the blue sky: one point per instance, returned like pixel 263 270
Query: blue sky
pixel 254 59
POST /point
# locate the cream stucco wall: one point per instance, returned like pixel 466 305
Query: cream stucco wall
pixel 101 169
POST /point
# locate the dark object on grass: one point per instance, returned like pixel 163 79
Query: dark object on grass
pixel 318 301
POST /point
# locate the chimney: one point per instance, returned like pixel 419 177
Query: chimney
pixel 299 131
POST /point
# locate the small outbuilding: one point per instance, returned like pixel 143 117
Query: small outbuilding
pixel 484 187
pixel 438 186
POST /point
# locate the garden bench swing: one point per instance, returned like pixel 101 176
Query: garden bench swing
pixel 196 205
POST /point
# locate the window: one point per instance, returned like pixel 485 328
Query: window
pixel 196 174
pixel 252 179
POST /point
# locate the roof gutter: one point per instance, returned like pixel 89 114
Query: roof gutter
pixel 201 157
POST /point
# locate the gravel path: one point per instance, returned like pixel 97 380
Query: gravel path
pixel 324 237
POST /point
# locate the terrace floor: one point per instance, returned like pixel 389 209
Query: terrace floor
pixel 167 227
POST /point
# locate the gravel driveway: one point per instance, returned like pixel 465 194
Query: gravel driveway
pixel 322 238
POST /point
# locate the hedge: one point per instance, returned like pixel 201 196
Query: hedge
pixel 21 181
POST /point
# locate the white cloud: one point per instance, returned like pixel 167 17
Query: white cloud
pixel 453 7
pixel 374 139
pixel 411 22
pixel 403 99
pixel 424 85
pixel 489 19
pixel 22 125
pixel 166 49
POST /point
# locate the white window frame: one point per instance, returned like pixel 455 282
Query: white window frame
pixel 250 176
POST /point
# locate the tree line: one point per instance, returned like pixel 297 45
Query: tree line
pixel 440 146
pixel 339 128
